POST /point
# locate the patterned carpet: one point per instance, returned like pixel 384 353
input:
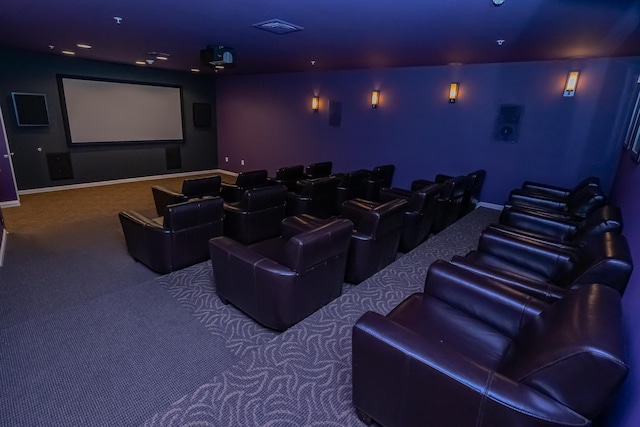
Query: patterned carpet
pixel 301 377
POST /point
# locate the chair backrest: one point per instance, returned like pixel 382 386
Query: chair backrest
pixel 310 248
pixel 607 218
pixel 252 179
pixel 382 219
pixel 200 187
pixel 261 198
pixel 604 258
pixel 591 181
pixel 318 170
pixel 383 174
pixel 573 351
pixel 355 183
pixel 474 190
pixel 193 213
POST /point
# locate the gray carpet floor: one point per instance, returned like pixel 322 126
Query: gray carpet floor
pixel 167 352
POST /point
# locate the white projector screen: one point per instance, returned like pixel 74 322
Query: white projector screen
pixel 98 111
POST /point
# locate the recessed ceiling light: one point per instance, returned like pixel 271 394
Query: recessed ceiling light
pixel 68 52
pixel 162 58
pixel 84 46
pixel 141 63
pixel 195 70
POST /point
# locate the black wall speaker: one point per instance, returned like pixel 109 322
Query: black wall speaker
pixel 335 113
pixel 59 166
pixel 174 158
pixel 201 115
pixel 508 123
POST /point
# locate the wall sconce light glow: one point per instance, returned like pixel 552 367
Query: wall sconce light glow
pixel 315 104
pixel 453 92
pixel 375 98
pixel 68 52
pixel 572 82
pixel 84 46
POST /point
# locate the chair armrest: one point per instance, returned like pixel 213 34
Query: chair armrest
pixel 538 238
pixel 388 194
pixel 163 197
pixel 543 291
pixel 407 364
pixel 519 197
pixel 539 222
pixel 492 302
pixel 543 259
pixel 140 220
pixel 552 190
pixel 355 209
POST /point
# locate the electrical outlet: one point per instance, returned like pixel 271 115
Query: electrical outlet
pixel 242 162
pixel 226 159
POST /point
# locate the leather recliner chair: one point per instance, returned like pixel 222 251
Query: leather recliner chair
pixel 548 271
pixel 288 176
pixel 194 188
pixel 580 204
pixel 318 170
pixel 257 216
pixel 315 197
pixel 549 227
pixel 244 181
pixel 475 182
pixel 376 234
pixel 419 215
pixel 470 352
pixel 280 281
pixel 180 240
pixel 352 185
pixel 547 190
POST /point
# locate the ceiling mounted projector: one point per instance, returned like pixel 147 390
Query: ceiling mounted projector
pixel 219 56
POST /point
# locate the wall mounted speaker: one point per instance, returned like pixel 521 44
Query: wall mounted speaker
pixel 508 123
pixel 59 166
pixel 173 157
pixel 201 115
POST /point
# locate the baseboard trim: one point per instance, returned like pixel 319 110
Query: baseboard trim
pixel 10 204
pixel 3 246
pixel 121 181
pixel 493 206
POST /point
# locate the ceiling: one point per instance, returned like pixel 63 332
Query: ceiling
pixel 336 34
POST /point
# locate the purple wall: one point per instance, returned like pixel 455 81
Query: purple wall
pixel 266 121
pixel 626 412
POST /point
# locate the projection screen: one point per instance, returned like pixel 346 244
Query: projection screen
pixel 104 111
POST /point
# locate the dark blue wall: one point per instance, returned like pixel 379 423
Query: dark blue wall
pixel 30 72
pixel 266 120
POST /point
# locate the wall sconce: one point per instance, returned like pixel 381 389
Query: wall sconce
pixel 375 98
pixel 572 82
pixel 453 92
pixel 315 104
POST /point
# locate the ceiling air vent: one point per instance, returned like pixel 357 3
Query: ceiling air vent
pixel 277 26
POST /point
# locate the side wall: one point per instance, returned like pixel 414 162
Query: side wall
pixel 30 72
pixel 626 412
pixel 266 120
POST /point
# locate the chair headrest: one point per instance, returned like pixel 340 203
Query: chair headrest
pixel 318 170
pixel 289 173
pixel 193 213
pixel 199 187
pixel 317 186
pixel 252 178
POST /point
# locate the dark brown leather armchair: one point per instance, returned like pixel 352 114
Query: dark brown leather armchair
pixel 379 177
pixel 288 176
pixel 191 189
pixel 547 271
pixel 352 185
pixel 548 190
pixel 244 181
pixel 315 197
pixel 581 203
pixel 279 282
pixel 257 216
pixel 318 170
pixel 470 352
pixel 180 240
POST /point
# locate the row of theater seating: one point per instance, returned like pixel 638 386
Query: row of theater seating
pixel 163 243
pixel 526 330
